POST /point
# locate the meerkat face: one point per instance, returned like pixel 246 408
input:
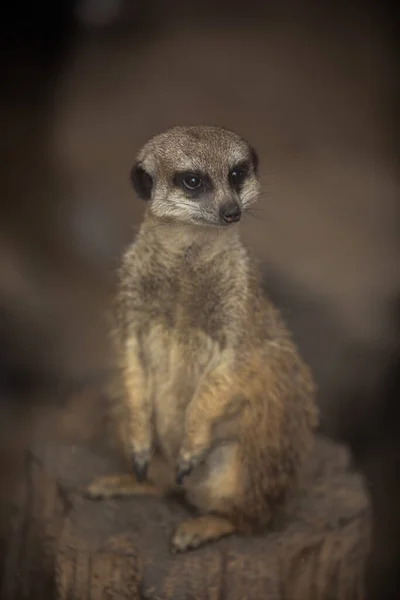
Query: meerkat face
pixel 201 175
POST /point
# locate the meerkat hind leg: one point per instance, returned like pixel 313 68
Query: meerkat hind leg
pixel 116 486
pixel 212 496
pixel 196 532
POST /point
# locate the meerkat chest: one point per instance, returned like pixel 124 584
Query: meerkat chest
pixel 181 313
pixel 176 363
pixel 180 346
pixel 183 321
pixel 191 297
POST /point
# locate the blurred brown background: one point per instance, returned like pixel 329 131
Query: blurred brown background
pixel 311 93
pixel 310 85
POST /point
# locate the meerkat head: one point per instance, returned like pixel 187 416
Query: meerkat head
pixel 199 175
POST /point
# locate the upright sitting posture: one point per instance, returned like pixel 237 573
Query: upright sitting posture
pixel 215 400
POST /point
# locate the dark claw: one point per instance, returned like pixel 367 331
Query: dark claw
pixel 183 471
pixel 140 466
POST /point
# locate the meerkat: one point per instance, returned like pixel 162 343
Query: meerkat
pixel 216 400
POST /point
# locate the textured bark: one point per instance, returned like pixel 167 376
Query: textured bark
pixel 64 546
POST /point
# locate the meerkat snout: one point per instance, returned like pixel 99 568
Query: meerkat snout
pixel 230 212
pixel 200 175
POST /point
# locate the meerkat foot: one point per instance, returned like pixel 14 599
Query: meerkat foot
pixel 193 533
pixel 117 486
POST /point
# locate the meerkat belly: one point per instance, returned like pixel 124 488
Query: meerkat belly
pixel 177 361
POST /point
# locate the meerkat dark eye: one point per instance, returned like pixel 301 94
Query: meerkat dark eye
pixel 237 176
pixel 194 184
pixel 191 182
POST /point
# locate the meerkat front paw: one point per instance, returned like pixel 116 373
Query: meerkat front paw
pixel 141 449
pixel 187 461
pixel 195 447
pixel 140 463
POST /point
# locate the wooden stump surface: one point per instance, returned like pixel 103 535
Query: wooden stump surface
pixel 62 544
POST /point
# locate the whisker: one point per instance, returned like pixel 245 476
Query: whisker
pixel 258 210
pixel 255 216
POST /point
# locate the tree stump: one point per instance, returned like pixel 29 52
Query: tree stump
pixel 62 545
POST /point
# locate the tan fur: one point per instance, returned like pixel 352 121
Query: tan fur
pixel 213 388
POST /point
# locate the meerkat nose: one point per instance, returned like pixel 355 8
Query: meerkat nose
pixel 230 213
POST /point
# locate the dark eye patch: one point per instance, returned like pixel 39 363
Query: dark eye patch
pixel 255 160
pixel 239 174
pixel 192 183
pixel 141 181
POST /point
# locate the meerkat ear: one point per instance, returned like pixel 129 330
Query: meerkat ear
pixel 142 182
pixel 255 160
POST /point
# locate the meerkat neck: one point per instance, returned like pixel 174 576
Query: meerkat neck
pixel 176 237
